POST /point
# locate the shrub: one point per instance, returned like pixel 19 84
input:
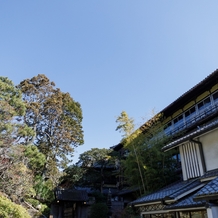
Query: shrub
pixel 99 210
pixel 8 209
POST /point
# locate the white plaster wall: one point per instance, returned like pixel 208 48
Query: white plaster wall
pixel 210 148
pixel 212 212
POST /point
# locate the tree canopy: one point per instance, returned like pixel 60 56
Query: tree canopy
pixel 39 127
pixel 54 116
pixel 12 108
pixel 151 167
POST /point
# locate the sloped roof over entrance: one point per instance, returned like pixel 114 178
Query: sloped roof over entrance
pixel 186 202
pixel 208 192
pixel 172 192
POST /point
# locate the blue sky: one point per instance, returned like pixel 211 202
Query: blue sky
pixel 111 55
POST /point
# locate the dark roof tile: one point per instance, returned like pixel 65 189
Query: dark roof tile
pixel 211 173
pixel 186 202
pixel 169 192
pixel 208 190
pixel 71 195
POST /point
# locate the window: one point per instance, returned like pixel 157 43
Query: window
pixel 178 122
pixel 199 214
pixel 189 115
pixel 191 160
pixel 168 128
pixel 204 104
pixel 193 214
pixel 160 215
pixel 215 98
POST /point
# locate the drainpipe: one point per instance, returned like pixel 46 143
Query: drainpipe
pixel 201 154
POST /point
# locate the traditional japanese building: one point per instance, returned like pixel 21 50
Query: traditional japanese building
pixel 192 122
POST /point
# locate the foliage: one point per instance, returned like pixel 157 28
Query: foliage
pixel 55 117
pixel 44 189
pixel 11 110
pixel 158 168
pixel 73 174
pixel 9 209
pixel 126 124
pixel 99 197
pixel 95 163
pixel 128 212
pixel 16 179
pixel 37 136
pixel 99 210
pixel 95 156
pixel 151 168
pixel 36 160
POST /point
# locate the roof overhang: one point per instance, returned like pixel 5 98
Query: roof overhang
pixel 209 197
pixel 199 132
pixel 146 203
pixel 171 200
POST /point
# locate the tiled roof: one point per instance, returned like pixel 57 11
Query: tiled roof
pixel 71 195
pixel 189 186
pixel 169 192
pixel 211 173
pixel 186 202
pixel 193 134
pixel 209 190
pixel 210 80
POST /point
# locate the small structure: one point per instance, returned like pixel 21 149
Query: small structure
pixel 70 203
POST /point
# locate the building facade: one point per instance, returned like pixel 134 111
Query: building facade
pixel 192 122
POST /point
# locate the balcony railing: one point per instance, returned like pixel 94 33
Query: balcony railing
pixel 208 111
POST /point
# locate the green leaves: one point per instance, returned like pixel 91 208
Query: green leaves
pixel 126 124
pixel 151 167
pixel 8 209
pixel 39 128
pixel 36 159
pixel 55 117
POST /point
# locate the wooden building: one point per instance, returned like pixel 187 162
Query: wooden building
pixel 192 122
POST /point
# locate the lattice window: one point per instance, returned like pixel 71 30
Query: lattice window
pixel 152 207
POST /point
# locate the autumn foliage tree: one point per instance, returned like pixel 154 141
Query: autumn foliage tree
pixel 56 119
pixel 39 128
pixel 16 179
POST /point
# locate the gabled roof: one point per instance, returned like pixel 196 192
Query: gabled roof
pixel 188 96
pixel 71 195
pixel 171 192
pixel 186 202
pixel 208 192
pixel 184 194
pixel 184 190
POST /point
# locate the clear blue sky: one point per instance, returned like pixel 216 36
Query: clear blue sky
pixel 111 55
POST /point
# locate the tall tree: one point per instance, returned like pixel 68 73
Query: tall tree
pixel 15 177
pixel 95 163
pixel 151 167
pixel 126 125
pixel 55 117
pixel 12 108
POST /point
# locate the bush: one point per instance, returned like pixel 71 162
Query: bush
pixel 99 210
pixel 8 209
pixel 128 212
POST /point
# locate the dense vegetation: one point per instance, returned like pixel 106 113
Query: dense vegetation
pixel 39 128
pixel 152 168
